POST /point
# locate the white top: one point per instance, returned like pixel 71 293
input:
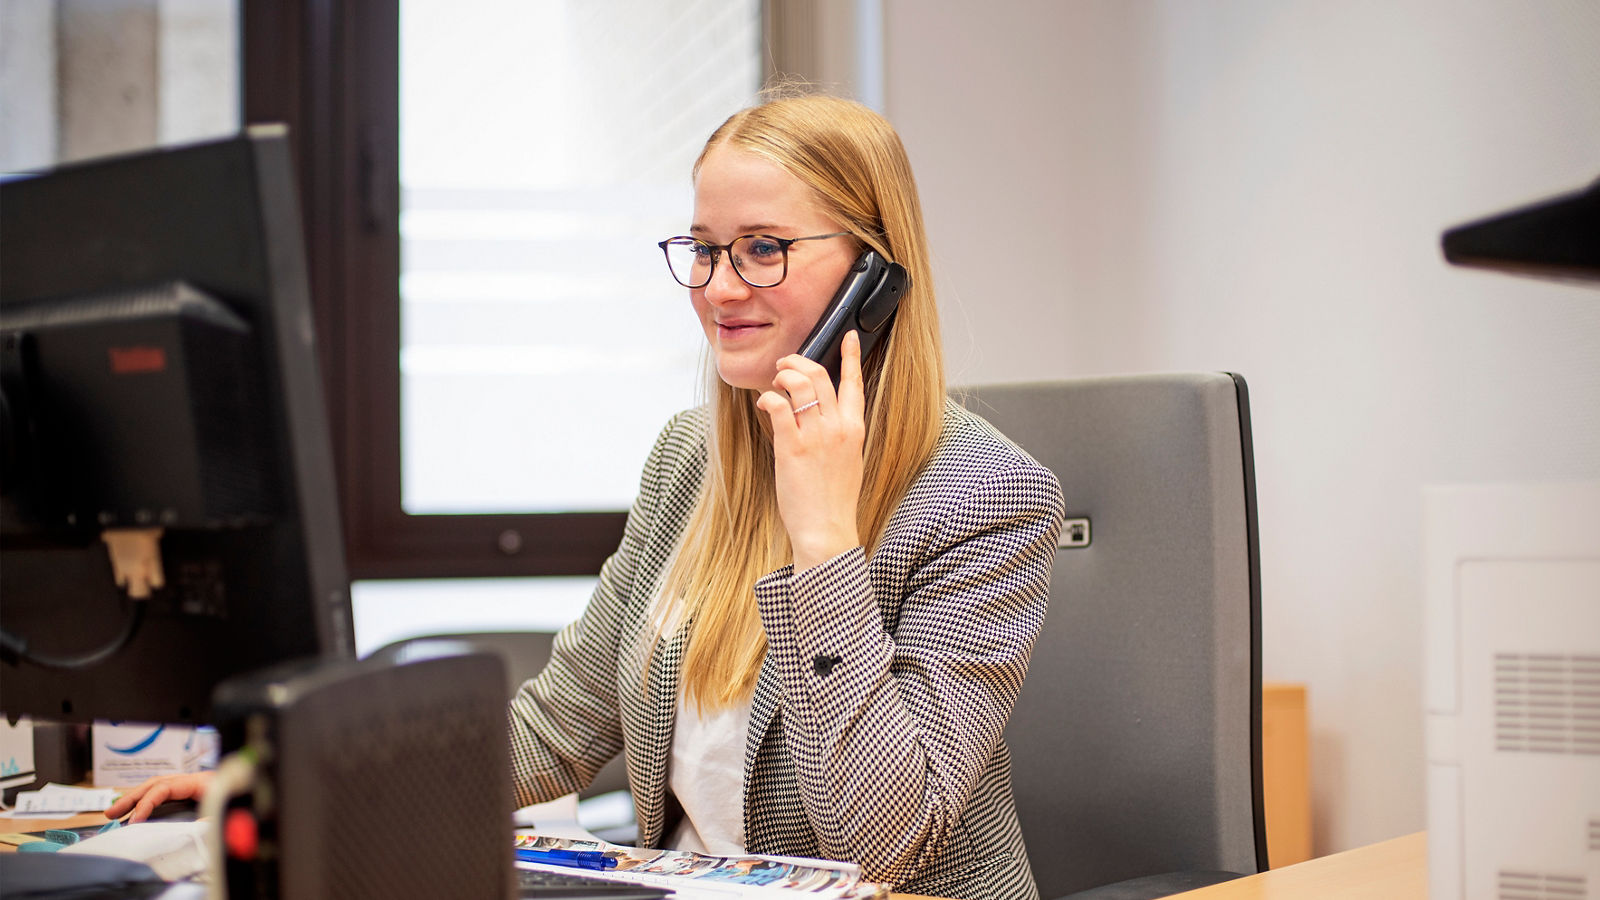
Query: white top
pixel 706 774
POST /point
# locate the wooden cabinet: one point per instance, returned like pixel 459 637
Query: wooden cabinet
pixel 1286 772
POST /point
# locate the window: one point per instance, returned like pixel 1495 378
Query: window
pixel 483 185
pixel 515 242
pixel 542 345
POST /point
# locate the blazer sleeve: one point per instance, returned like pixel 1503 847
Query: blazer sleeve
pixel 891 726
pixel 564 723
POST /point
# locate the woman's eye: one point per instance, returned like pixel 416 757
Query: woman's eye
pixel 701 251
pixel 763 250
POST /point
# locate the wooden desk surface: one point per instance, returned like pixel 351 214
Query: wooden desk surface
pixel 9 825
pixel 1390 870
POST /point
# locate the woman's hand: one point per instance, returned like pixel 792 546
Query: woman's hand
pixel 817 437
pixel 144 798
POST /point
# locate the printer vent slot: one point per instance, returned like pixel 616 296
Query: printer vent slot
pixel 1547 703
pixel 1537 886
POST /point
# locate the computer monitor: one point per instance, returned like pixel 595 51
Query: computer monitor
pixel 160 400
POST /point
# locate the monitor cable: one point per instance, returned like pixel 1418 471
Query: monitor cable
pixel 136 566
pixel 14 648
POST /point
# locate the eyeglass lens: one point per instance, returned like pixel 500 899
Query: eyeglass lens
pixel 759 260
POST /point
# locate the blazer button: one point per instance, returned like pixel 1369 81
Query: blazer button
pixel 822 664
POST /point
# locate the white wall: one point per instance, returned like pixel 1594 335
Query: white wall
pixel 1259 186
pixel 88 78
pixel 27 83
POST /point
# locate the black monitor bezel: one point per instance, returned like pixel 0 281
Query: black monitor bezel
pixel 222 216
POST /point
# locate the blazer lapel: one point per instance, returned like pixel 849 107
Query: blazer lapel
pixel 763 708
pixel 649 738
pixel 648 728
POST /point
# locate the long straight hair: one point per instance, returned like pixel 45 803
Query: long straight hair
pixel 855 163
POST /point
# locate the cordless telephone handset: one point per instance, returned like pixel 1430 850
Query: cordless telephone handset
pixel 866 302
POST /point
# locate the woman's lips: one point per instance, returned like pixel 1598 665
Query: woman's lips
pixel 735 330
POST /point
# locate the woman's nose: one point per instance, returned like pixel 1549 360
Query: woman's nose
pixel 725 284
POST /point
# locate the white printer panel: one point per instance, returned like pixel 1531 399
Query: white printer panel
pixel 1513 684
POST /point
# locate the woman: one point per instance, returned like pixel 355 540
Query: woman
pixel 815 627
pixel 821 611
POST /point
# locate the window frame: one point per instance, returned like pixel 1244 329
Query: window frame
pixel 329 69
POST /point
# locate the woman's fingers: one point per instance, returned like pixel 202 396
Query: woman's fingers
pixel 816 442
pixel 152 798
pixel 780 411
pixel 126 800
pixel 798 379
pixel 143 799
pixel 852 395
pixel 805 381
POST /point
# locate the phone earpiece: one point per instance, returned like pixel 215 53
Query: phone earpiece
pixel 865 302
pixel 881 305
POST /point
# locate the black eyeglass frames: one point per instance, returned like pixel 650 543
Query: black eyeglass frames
pixel 760 260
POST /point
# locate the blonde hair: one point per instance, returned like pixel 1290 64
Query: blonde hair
pixel 855 163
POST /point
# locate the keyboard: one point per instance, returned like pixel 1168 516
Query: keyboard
pixel 539 883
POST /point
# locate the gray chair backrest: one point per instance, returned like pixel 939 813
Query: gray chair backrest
pixel 525 654
pixel 1136 740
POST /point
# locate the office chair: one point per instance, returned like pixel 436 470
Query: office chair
pixel 525 654
pixel 1136 740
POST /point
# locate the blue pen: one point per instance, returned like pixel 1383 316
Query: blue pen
pixel 576 859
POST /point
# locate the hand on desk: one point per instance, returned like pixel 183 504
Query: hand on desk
pixel 144 798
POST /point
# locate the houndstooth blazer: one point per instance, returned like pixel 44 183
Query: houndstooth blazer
pixel 875 729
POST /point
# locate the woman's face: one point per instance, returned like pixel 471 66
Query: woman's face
pixel 750 329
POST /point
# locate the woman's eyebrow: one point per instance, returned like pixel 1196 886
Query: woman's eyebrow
pixel 763 228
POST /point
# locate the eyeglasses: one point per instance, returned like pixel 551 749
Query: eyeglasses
pixel 760 260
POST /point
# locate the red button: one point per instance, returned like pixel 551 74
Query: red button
pixel 239 834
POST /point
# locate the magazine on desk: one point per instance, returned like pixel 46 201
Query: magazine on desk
pixel 752 876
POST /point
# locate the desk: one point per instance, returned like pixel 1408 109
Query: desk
pixel 1391 870
pixel 9 825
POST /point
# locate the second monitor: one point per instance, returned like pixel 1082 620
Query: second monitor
pixel 164 427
